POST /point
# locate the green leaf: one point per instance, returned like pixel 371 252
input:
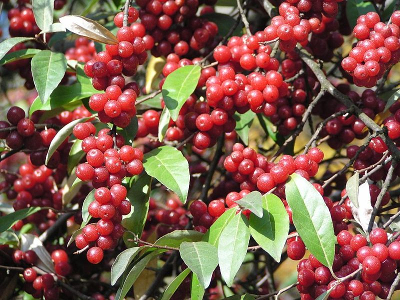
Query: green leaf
pixel 196 291
pixel 134 273
pixel 311 218
pixel 252 202
pixel 325 295
pixel 224 22
pixel 352 186
pixel 388 12
pixel 177 237
pixel 174 285
pixel 6 45
pixel 48 68
pixel 268 129
pixel 169 167
pixel 73 236
pixel 393 99
pixel 9 238
pixel 232 247
pixel 7 221
pixel 43 11
pixel 154 102
pixel 129 132
pixel 75 155
pixel 89 199
pixel 62 135
pixel 138 196
pixel 18 55
pixel 247 297
pixel 163 124
pixel 356 8
pixel 71 188
pixel 271 231
pixel 178 86
pixel 89 7
pixel 201 258
pixel 122 262
pixel 55 27
pixel 243 123
pixel 213 234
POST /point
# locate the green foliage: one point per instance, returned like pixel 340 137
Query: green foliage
pixel 356 8
pixel 178 86
pixel 213 234
pixel 201 258
pixel 122 262
pixel 61 136
pixel 18 55
pixel 163 125
pixel 232 247
pixel 271 230
pixel 48 69
pixel 174 285
pixel 352 186
pixel 7 221
pixel 311 218
pixel 6 45
pixel 253 203
pixel 138 196
pixel 243 124
pixel 43 11
pixel 196 291
pixel 85 213
pixel 169 167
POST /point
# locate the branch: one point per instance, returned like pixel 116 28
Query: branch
pixel 277 293
pixel 244 19
pixel 391 220
pixel 60 221
pixel 148 97
pixel 73 291
pixel 126 12
pixel 327 85
pixel 393 286
pixel 381 194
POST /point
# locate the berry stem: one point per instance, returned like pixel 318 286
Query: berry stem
pixel 393 286
pixel 243 16
pixel 126 10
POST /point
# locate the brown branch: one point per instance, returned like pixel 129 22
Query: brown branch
pixel 60 221
pixel 277 293
pixel 385 186
pixel 391 220
pixel 126 12
pixel 148 97
pixel 244 18
pixel 327 85
pixel 73 291
pixel 393 286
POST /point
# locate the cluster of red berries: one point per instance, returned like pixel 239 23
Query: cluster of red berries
pixel 253 171
pixel 83 51
pixel 22 22
pixel 344 129
pixel 106 167
pixel 174 26
pixel 123 58
pixel 115 106
pixel 45 284
pixel 376 51
pixel 377 262
pixel 32 187
pixel 20 133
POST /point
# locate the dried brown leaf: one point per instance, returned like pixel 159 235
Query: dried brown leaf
pixel 88 28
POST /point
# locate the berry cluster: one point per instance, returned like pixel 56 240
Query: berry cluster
pixel 253 171
pixel 377 261
pixel 376 51
pixel 21 133
pixel 115 106
pixel 174 26
pixel 83 51
pixel 22 22
pixel 42 285
pixel 317 18
pixel 109 66
pixel 106 167
pixel 345 128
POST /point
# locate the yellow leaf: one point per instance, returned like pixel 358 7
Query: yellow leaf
pixel 153 70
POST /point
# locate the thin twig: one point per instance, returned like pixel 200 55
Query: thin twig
pixel 60 221
pixel 393 286
pixel 126 12
pixel 285 289
pixel 148 97
pixel 244 19
pixel 385 186
pixel 73 291
pixel 391 220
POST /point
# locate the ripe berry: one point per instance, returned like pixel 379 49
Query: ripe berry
pixel 95 255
